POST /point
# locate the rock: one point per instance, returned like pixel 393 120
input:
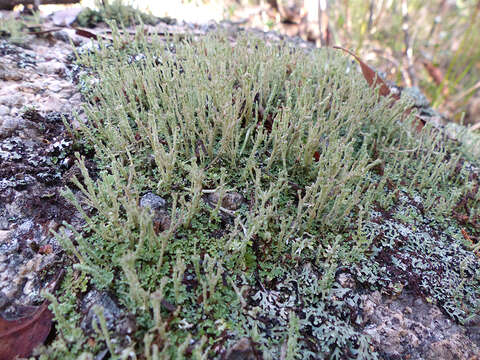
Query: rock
pixel 457 347
pixel 469 139
pixel 4 235
pixel 389 321
pixel 29 286
pixel 473 328
pixel 4 110
pixel 242 350
pixel 51 67
pixel 76 98
pixel 231 201
pixel 4 301
pixel 419 99
pixel 52 102
pixel 161 218
pixel 67 16
pixel 408 325
pixel 111 311
pixel 12 100
pixel 28 88
pixel 55 87
pixel 152 201
pixel 9 125
pixel 11 75
pixel 126 325
pixel 4 223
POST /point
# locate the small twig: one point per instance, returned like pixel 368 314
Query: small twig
pixel 379 14
pixel 465 93
pixel 209 191
pixel 370 15
pixel 44 31
pixel 475 127
pixel 323 22
pixel 348 24
pixel 408 52
pixel 243 227
pixel 227 211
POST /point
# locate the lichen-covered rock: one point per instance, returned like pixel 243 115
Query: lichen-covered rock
pixel 34 154
pixel 242 350
pixel 296 263
pixel 409 326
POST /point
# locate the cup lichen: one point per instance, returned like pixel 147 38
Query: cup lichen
pixel 333 177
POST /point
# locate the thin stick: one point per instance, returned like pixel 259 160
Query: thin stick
pixel 408 53
pixel 475 127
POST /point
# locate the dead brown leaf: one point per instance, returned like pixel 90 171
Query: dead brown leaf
pixel 90 34
pixel 19 337
pixel 373 79
pixel 434 72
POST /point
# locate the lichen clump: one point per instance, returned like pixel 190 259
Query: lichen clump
pixel 312 158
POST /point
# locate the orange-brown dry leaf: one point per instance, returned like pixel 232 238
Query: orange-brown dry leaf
pixel 437 76
pixel 419 123
pixel 374 80
pixel 19 337
pixel 434 72
pixel 90 34
pixel 371 76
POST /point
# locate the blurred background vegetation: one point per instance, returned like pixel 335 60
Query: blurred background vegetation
pixel 434 44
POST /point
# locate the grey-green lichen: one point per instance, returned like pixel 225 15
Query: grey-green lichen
pixel 415 250
pixel 333 178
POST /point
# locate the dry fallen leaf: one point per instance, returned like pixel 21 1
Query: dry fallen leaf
pixel 434 72
pixel 19 337
pixel 371 76
pixel 374 80
pixel 436 75
pixel 89 34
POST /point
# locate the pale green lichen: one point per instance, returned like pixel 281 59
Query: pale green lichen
pixel 313 150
